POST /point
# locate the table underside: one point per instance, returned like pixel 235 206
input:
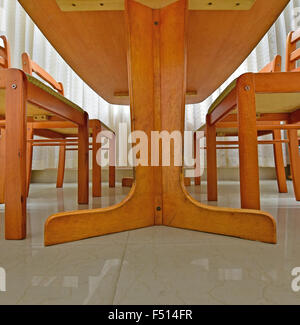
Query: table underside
pixel 94 43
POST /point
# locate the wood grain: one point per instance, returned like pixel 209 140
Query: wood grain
pixel 15 155
pixel 96 5
pixel 99 57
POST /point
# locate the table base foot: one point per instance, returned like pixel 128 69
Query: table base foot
pixel 138 211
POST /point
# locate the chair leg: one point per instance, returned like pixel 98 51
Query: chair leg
pixel 279 163
pixel 29 148
pixel 112 176
pixel 295 161
pixel 211 152
pixel 96 187
pixel 248 150
pixel 2 166
pixel 61 166
pixel 83 162
pixel 15 154
pixel 197 159
pixel 112 161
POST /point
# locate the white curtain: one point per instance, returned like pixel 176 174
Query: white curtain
pixel 25 36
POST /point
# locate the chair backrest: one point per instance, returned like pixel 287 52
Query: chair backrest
pixel 274 66
pixel 4 53
pixel 292 53
pixel 31 67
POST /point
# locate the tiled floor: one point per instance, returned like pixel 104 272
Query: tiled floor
pixel 155 265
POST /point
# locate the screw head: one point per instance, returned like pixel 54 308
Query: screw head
pixel 158 208
pixel 14 86
pixel 247 88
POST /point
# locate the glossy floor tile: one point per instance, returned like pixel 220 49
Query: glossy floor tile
pixel 156 265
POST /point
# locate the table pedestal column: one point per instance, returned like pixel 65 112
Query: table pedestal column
pixel 157 77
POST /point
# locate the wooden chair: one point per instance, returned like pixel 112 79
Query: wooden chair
pixel 5 63
pixel 228 127
pixel 256 104
pixel 63 134
pixel 22 98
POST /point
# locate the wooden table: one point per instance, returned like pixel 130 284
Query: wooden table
pixel 156 55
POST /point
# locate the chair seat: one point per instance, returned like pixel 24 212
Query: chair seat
pixel 54 93
pixel 221 132
pixel 222 96
pixel 225 132
pixel 34 109
pixel 74 131
pixel 266 102
pixel 69 131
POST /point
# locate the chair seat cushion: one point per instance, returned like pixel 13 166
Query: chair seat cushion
pixel 223 95
pixel 54 93
pixel 221 132
pixel 68 131
pixel 33 109
pixel 265 102
pixel 74 131
pixel 71 131
pixel 202 128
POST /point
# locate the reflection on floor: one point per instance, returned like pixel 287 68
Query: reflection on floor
pixel 155 265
